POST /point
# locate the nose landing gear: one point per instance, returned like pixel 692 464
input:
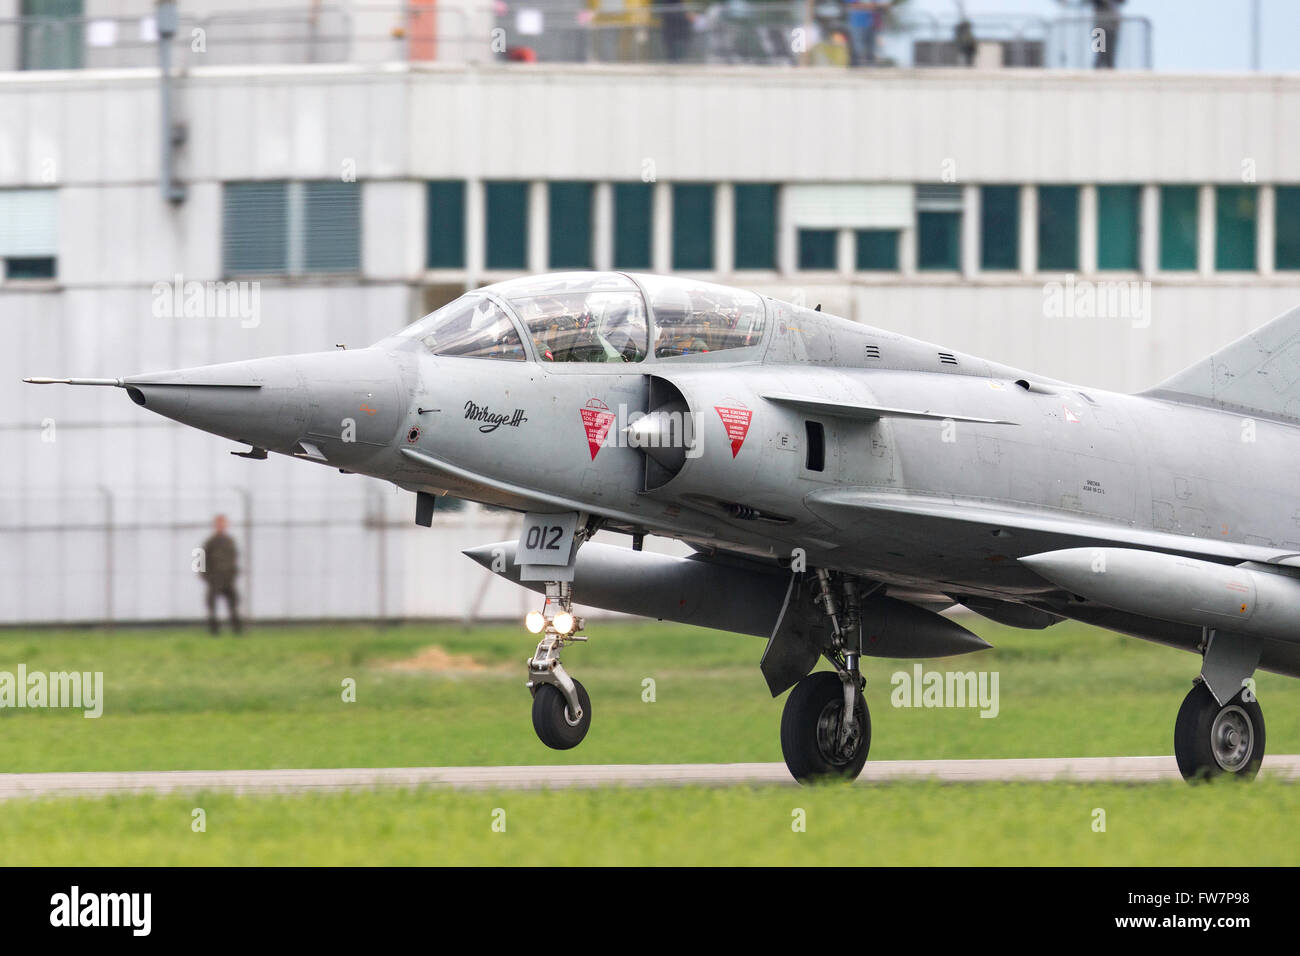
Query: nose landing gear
pixel 561 706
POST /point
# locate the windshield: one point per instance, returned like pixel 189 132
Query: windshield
pixel 581 317
pixel 472 326
pixel 693 318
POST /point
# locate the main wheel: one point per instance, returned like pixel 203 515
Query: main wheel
pixel 1210 740
pixel 555 726
pixel 810 731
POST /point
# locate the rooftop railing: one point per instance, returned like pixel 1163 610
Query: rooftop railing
pixel 564 31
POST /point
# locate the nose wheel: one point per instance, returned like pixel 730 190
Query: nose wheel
pixel 561 706
pixel 1211 740
pixel 555 723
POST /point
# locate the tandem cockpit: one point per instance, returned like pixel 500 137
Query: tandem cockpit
pixel 594 317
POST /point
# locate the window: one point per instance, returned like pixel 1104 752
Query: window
pixel 1000 228
pixel 1058 228
pixel 693 318
pixel 1118 232
pixel 755 234
pixel 692 226
pixel 445 225
pixel 570 225
pixel 578 317
pixel 29 241
pixel 52 34
pixel 633 225
pixel 29 267
pixel 817 248
pixel 507 225
pixel 876 250
pixel 1234 228
pixel 1178 228
pixel 1286 245
pixel 291 227
pixel 473 326
pixel 938 240
pixel 938 228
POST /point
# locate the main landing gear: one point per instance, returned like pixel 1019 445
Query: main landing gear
pixel 1211 739
pixel 561 707
pixel 1220 727
pixel 825 726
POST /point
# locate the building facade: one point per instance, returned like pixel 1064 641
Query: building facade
pixel 1101 227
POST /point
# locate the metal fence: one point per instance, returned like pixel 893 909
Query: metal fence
pixel 567 31
pixel 96 555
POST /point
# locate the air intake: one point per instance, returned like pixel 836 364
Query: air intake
pixel 665 434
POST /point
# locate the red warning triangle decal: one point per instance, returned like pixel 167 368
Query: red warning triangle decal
pixel 736 422
pixel 596 419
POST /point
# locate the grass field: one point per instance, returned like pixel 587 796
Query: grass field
pixel 425 695
pixel 893 824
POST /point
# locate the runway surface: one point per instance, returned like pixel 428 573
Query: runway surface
pixel 1127 769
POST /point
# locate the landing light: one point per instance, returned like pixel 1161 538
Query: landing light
pixel 563 622
pixel 535 621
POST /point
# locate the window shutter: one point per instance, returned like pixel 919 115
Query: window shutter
pixel 850 206
pixel 331 221
pixel 255 227
pixel 28 223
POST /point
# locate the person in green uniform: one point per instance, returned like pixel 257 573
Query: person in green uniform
pixel 220 565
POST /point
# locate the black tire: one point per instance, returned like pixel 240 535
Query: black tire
pixel 809 724
pixel 1212 741
pixel 551 719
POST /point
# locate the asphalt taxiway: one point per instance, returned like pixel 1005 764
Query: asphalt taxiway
pixel 1125 769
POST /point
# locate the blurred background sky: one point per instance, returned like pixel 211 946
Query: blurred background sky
pixel 1188 35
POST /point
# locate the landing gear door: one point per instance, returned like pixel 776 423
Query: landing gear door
pixel 547 547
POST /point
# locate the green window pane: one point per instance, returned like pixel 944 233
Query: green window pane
pixel 817 248
pixel 876 250
pixel 331 220
pixel 633 225
pixel 692 226
pixel 1118 226
pixel 1234 228
pixel 570 225
pixel 938 241
pixel 755 240
pixel 52 35
pixel 1286 247
pixel 1178 228
pixel 445 225
pixel 1058 228
pixel 507 225
pixel 29 267
pixel 255 227
pixel 1000 228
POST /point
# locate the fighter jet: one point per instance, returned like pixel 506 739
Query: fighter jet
pixel 838 487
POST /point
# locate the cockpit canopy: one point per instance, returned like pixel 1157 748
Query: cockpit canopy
pixel 593 317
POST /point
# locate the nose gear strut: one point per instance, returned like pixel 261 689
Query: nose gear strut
pixel 561 706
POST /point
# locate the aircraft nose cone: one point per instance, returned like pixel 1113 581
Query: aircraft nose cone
pixel 263 402
pixel 341 407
